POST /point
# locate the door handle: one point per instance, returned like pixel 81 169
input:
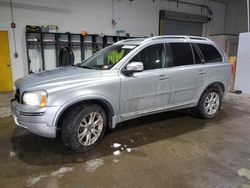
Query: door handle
pixel 202 72
pixel 8 65
pixel 164 77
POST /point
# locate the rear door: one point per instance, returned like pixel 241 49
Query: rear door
pixel 186 72
pixel 218 69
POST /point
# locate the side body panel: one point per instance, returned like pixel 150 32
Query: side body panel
pixel 143 91
pixel 186 82
pixel 218 72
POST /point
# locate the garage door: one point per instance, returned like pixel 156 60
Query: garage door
pixel 177 23
pixel 177 27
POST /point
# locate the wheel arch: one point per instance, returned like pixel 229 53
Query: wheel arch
pixel 104 103
pixel 217 84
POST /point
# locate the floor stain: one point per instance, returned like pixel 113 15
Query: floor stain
pixel 58 173
pixel 244 172
pixel 93 164
pixel 33 180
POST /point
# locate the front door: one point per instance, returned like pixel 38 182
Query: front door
pixel 5 65
pixel 148 90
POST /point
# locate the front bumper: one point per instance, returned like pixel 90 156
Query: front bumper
pixel 35 119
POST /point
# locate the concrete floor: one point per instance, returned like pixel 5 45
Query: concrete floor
pixel 174 149
pixel 5 104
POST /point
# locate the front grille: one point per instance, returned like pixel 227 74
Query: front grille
pixel 18 96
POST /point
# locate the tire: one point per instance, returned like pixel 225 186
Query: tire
pixel 79 131
pixel 208 106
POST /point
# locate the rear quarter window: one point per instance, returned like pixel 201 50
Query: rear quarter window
pixel 210 53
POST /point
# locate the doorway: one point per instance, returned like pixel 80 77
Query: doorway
pixel 5 64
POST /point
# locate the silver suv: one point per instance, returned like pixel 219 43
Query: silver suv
pixel 129 79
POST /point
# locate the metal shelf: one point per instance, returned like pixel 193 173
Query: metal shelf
pixel 70 40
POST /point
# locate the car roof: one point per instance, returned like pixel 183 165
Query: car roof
pixel 167 38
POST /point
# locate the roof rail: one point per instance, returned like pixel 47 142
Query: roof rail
pixel 176 37
pixel 198 38
pixel 131 39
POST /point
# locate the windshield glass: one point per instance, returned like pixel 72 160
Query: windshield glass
pixel 106 58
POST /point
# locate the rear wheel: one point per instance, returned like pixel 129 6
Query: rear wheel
pixel 83 127
pixel 209 104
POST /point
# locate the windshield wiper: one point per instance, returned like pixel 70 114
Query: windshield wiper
pixel 84 66
pixel 87 67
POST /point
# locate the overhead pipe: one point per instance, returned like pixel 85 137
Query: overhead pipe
pixel 193 4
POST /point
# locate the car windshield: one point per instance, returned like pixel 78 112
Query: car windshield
pixel 106 58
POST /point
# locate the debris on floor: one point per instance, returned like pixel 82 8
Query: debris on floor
pixel 12 154
pixel 117 152
pixel 122 148
pixel 128 150
pixel 116 145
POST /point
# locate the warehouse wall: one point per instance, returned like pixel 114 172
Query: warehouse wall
pixel 236 17
pixel 139 18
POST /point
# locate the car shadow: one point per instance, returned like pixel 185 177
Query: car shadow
pixel 37 151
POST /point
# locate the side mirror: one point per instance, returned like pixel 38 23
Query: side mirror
pixel 133 67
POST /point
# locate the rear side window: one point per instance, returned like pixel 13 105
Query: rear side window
pixel 179 54
pixel 210 53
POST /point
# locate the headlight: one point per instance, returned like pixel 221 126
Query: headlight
pixel 35 98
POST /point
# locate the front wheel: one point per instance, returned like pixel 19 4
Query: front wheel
pixel 209 104
pixel 83 127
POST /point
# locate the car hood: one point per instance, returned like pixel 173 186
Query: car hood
pixel 56 79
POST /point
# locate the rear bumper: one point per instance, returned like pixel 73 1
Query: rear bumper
pixel 37 120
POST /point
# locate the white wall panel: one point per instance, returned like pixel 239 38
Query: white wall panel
pixel 139 18
pixel 242 79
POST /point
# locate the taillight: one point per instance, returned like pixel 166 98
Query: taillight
pixel 232 69
pixel 232 61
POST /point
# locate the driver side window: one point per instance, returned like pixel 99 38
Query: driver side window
pixel 152 57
